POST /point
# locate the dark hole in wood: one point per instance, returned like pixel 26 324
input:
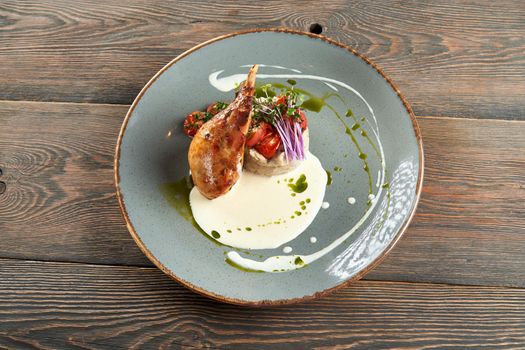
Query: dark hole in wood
pixel 316 28
pixel 0 172
pixel 2 187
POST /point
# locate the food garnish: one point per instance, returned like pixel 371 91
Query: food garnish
pixel 277 123
pixel 286 119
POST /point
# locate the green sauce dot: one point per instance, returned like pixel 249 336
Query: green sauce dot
pixel 355 126
pixel 301 203
pixel 300 185
pixel 328 178
pixel 299 261
pixel 362 155
pixel 229 231
pixel 303 207
pixel 248 228
pixel 293 194
pixel 215 234
pixel 298 213
pixel 308 200
pixel 313 104
pixel 292 217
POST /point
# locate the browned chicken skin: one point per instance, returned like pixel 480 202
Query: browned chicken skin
pixel 216 152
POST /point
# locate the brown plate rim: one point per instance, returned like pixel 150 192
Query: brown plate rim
pixel 261 303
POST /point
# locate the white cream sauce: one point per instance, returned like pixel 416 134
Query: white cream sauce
pixel 273 66
pixel 260 212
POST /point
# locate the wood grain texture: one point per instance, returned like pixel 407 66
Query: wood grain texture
pixel 57 162
pixel 59 202
pixel 454 58
pixel 78 306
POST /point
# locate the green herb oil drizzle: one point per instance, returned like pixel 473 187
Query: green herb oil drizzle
pixel 177 194
pixel 356 144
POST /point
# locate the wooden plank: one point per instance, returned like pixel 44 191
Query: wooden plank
pixel 59 202
pixel 63 305
pixel 453 58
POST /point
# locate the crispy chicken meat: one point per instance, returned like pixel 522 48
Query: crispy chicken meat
pixel 216 152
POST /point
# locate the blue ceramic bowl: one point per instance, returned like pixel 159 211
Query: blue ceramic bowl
pixel 152 152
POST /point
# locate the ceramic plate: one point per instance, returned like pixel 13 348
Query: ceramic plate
pixel 371 198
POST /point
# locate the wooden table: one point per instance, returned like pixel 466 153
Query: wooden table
pixel 72 277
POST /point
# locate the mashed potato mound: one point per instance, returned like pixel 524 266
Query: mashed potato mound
pixel 256 163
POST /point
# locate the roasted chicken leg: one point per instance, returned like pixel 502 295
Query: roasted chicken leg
pixel 216 152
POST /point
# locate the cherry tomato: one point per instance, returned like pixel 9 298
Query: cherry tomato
pixel 269 145
pixel 281 100
pixel 193 122
pixel 216 107
pixel 257 132
pixel 304 121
